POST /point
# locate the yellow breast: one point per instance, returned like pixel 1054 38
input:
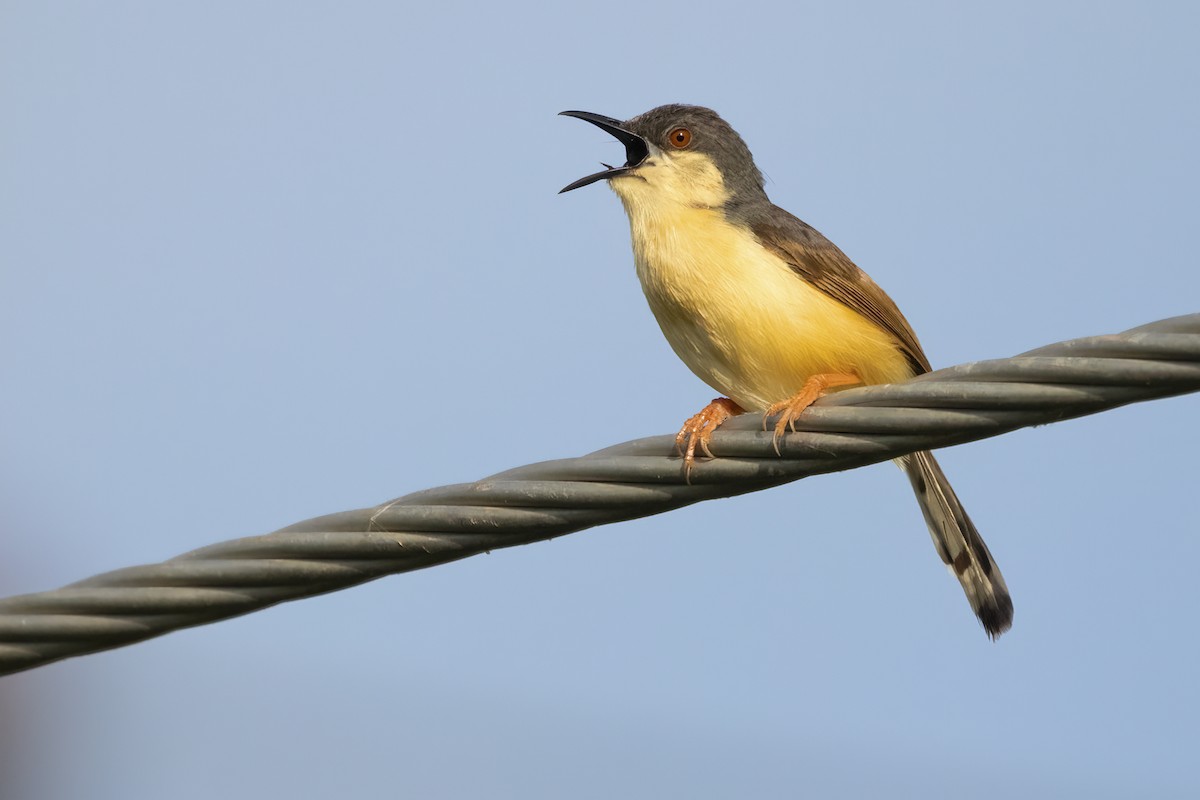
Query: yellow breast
pixel 740 318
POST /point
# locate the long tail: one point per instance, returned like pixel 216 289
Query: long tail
pixel 959 543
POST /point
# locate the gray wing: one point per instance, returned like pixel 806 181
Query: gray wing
pixel 818 261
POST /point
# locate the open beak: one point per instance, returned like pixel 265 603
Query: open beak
pixel 636 148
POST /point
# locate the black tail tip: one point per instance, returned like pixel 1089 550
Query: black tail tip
pixel 996 617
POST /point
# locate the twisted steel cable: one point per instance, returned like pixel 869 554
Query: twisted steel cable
pixel 638 478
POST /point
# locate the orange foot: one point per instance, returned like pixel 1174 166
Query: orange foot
pixel 698 431
pixel 816 386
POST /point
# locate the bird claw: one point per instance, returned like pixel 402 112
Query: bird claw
pixel 697 432
pixel 789 410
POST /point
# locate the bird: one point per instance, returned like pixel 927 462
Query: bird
pixel 766 310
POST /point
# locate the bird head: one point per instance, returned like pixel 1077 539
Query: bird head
pixel 676 155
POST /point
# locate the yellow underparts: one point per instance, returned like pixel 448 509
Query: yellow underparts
pixel 737 315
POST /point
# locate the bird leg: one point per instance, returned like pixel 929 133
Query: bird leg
pixel 698 431
pixel 816 386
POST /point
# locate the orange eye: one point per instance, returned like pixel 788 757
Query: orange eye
pixel 680 137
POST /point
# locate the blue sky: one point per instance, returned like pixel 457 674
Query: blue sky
pixel 261 262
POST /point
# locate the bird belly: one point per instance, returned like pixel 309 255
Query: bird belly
pixel 743 321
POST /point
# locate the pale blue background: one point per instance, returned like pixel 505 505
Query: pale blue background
pixel 261 261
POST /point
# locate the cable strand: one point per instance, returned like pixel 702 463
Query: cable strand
pixel 633 479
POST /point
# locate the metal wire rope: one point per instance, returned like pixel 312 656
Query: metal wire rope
pixel 638 478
